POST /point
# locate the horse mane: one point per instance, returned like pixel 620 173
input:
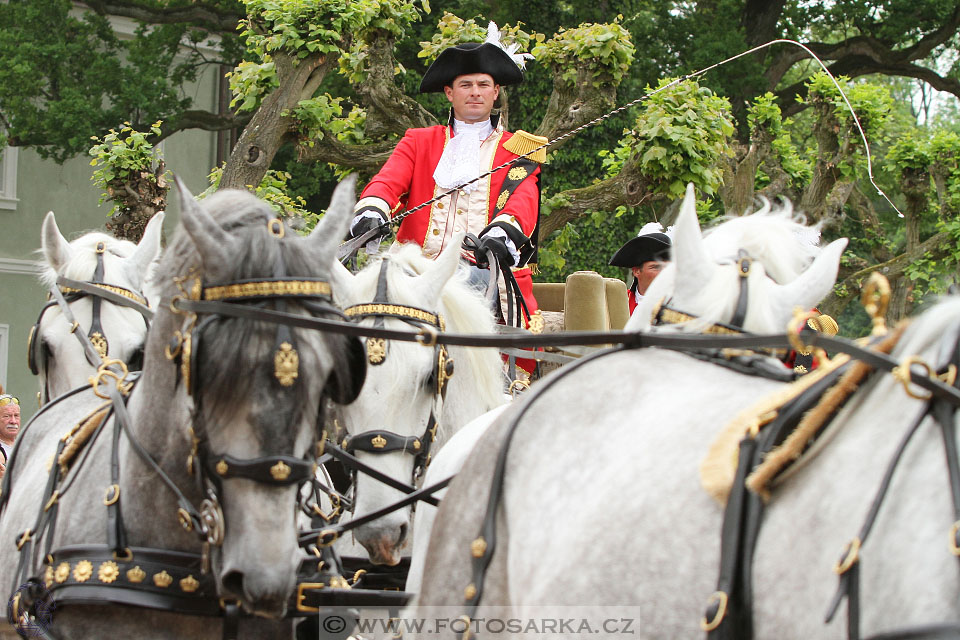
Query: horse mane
pixel 83 260
pixel 464 310
pixel 774 236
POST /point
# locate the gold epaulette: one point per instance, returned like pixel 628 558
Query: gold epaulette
pixel 824 324
pixel 522 143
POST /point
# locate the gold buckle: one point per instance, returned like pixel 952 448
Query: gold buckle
pixel 850 556
pixel 954 545
pixel 111 499
pixel 722 598
pixel 24 539
pixel 103 371
pixel 427 336
pixel 303 586
pixel 901 374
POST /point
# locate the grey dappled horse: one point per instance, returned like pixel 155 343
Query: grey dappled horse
pixel 633 528
pixel 56 352
pixel 239 407
pixel 788 270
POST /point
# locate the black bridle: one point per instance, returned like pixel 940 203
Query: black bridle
pixel 382 441
pixel 94 342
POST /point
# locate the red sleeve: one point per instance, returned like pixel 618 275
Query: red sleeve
pixel 393 180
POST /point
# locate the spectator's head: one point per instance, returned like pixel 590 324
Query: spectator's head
pixel 9 418
pixel 645 256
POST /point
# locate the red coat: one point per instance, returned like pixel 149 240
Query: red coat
pixel 406 180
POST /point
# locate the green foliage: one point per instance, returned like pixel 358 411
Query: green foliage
pixel 65 76
pixel 453 30
pixel 604 51
pixel 250 82
pixel 680 136
pixel 123 156
pixel 766 120
pixel 302 28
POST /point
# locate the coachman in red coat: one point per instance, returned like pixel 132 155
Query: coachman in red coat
pixel 501 208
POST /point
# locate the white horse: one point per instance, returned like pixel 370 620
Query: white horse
pixel 56 353
pixel 400 393
pixel 221 399
pixel 788 270
pixel 636 530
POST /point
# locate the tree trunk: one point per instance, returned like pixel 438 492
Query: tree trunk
pixel 269 128
pixel 138 197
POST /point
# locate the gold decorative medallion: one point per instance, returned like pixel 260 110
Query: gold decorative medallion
pixel 286 364
pixel 62 572
pixel 99 343
pixel 470 591
pixel 83 571
pixel 416 445
pixel 48 576
pixel 108 571
pixel 376 350
pixel 189 584
pixel 378 442
pixel 136 575
pixel 502 199
pixel 222 467
pixel 478 547
pixel 800 369
pixel 517 173
pixel 535 323
pixel 280 471
pixel 162 579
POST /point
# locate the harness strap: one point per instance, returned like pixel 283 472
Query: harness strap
pixel 848 567
pixel 354 463
pixel 484 545
pixel 729 610
pixel 327 536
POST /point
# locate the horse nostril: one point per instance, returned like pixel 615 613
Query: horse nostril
pixel 233 583
pixel 403 535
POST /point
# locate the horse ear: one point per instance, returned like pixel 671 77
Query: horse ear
pixel 807 289
pixel 55 247
pixel 436 276
pixel 328 233
pixel 341 280
pixel 149 246
pixel 212 242
pixel 694 268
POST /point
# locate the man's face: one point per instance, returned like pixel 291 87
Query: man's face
pixel 9 421
pixel 472 96
pixel 646 272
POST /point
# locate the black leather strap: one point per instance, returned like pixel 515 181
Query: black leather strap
pixel 267 470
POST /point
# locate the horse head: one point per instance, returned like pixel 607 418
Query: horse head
pixel 411 389
pixel 241 396
pixel 752 271
pixel 118 332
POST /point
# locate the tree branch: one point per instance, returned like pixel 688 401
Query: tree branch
pixel 203 14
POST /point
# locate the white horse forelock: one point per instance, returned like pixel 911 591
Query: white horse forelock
pixel 83 258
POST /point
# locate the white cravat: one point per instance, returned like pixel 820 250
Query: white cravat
pixel 460 162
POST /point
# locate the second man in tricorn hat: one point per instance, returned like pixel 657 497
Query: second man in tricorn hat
pixel 501 208
pixel 645 256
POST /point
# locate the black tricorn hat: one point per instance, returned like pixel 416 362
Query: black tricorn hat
pixel 470 57
pixel 636 251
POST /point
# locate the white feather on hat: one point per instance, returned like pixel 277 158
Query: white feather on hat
pixel 493 37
